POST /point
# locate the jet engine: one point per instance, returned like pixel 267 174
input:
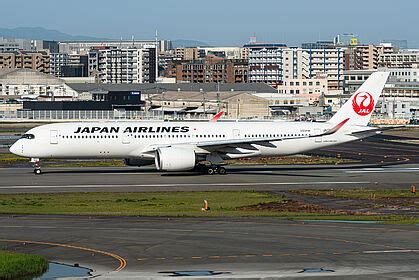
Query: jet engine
pixel 138 161
pixel 175 159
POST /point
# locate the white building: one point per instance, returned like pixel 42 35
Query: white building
pixel 329 62
pixel 273 63
pixel 21 83
pixel 114 65
pixel 402 59
pixel 56 61
pixel 80 47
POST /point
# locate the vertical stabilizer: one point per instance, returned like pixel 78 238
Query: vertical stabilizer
pixel 362 103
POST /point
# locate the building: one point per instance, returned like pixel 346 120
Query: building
pixel 399 44
pixel 266 63
pixel 319 45
pixel 38 61
pixel 14 45
pixel 209 70
pixel 56 62
pixel 225 52
pixel 19 83
pixel 402 59
pixel 363 57
pixel 80 47
pixel 235 105
pixel 273 63
pixel 189 53
pixel 312 89
pixel 115 65
pixel 327 62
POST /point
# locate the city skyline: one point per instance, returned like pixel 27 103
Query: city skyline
pixel 222 23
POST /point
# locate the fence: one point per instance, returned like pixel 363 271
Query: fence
pixel 46 116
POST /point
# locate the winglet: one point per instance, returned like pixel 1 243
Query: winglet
pixel 216 117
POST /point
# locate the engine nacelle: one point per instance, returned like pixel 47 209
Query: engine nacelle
pixel 138 161
pixel 175 159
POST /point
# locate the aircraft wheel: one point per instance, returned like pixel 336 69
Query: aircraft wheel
pixel 210 171
pixel 37 171
pixel 222 170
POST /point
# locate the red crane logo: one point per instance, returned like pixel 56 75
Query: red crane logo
pixel 363 103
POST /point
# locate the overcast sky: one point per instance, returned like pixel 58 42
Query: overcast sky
pixel 221 22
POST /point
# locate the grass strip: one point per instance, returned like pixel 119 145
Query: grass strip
pixel 170 204
pixel 359 193
pixel 16 265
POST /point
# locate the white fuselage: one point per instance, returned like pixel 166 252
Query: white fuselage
pixel 131 139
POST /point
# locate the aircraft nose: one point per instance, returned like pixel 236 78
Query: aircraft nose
pixel 16 149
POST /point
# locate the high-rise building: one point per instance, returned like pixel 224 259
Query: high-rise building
pixel 114 65
pixel 56 62
pixel 266 63
pixel 401 59
pixel 209 70
pixel 329 63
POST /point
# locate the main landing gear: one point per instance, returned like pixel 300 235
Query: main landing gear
pixel 212 169
pixel 37 166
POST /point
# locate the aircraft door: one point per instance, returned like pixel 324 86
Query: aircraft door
pixel 236 133
pixel 54 137
pixel 126 138
pixel 320 138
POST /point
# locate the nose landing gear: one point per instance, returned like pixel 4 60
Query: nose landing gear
pixel 37 166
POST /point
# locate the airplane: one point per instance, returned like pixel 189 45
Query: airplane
pixel 204 146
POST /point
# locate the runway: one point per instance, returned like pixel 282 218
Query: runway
pixel 239 247
pixel 238 178
pixel 125 247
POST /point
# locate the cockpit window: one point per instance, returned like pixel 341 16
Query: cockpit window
pixel 28 136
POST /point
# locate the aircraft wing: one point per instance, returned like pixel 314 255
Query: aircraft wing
pixel 231 145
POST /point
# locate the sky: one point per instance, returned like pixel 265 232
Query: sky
pixel 221 22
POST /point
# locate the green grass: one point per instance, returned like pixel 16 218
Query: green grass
pixel 167 204
pixel 131 204
pixel 16 265
pixel 10 158
pixel 359 193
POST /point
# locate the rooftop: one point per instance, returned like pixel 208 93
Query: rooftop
pixel 163 87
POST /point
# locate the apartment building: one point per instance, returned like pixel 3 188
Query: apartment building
pixel 401 59
pixel 329 62
pixel 57 61
pixel 189 53
pixel 115 65
pixel 38 61
pixel 363 57
pixel 266 63
pixel 273 63
pixel 211 69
